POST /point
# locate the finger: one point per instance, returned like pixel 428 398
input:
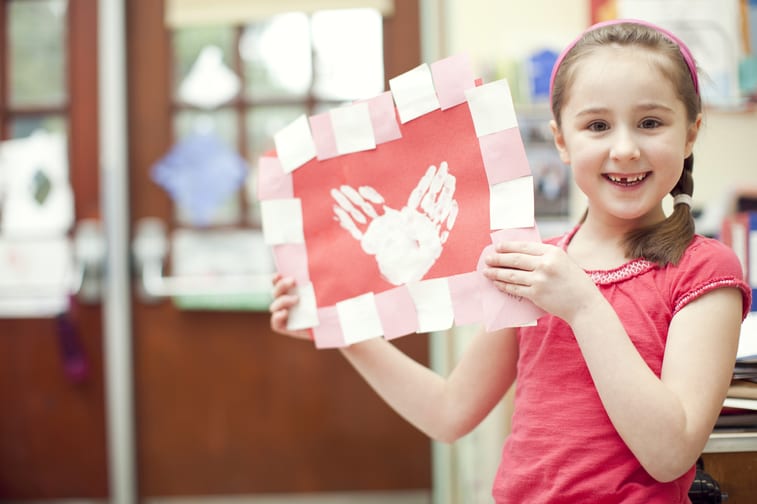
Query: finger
pixel 345 204
pixel 443 204
pixel 511 260
pixel 357 199
pixel 414 200
pixel 282 285
pixel 371 194
pixel 346 222
pixel 507 276
pixel 283 302
pixel 521 247
pixel 453 211
pixel 279 320
pixel 438 181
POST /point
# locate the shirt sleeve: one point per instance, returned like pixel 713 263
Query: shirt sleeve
pixel 708 264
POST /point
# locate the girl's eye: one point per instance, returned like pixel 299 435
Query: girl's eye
pixel 649 123
pixel 598 126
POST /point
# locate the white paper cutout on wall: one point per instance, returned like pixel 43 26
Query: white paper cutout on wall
pixel 210 82
pixel 38 199
pixel 712 31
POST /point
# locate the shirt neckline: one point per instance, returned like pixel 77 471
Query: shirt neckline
pixel 632 268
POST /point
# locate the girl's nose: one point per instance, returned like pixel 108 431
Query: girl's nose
pixel 624 146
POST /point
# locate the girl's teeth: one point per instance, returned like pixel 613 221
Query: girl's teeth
pixel 626 180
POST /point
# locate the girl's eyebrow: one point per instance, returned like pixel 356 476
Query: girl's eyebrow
pixel 592 111
pixel 655 106
pixel 641 106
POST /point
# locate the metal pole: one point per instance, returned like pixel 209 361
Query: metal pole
pixel 116 301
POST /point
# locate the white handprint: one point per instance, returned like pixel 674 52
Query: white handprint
pixel 406 242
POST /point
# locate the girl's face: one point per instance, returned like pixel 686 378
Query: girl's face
pixel 625 134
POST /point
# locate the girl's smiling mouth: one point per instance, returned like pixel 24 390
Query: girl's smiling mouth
pixel 626 180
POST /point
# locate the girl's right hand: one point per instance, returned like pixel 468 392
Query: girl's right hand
pixel 283 301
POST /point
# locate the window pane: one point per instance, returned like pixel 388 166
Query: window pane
pixel 189 43
pixel 221 122
pixel 226 214
pixel 348 47
pixel 25 126
pixel 37 52
pixel 277 57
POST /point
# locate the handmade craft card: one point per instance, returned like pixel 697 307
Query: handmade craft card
pixel 382 209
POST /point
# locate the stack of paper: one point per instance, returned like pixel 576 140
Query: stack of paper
pixel 740 406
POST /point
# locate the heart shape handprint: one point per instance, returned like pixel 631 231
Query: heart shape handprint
pixel 406 242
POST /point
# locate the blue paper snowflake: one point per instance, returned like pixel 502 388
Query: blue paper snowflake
pixel 200 173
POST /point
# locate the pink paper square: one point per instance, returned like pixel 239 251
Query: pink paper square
pixel 323 136
pixel 504 156
pixel 502 310
pixel 465 290
pixel 328 332
pixel 292 261
pixel 273 182
pixel 516 234
pixel 397 312
pixel 452 76
pixel 384 118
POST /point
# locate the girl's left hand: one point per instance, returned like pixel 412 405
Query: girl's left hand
pixel 543 274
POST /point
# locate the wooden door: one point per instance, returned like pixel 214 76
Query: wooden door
pixel 52 427
pixel 223 405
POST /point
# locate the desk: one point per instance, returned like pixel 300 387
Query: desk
pixel 731 457
pixel 735 471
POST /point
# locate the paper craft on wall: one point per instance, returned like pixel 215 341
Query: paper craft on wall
pixel 381 209
pixel 37 199
pixel 711 29
pixel 200 173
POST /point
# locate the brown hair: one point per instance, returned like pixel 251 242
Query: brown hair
pixel 665 242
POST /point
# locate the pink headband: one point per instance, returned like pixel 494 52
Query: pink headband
pixel 685 52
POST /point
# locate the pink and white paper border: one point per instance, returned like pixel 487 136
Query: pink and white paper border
pixel 427 305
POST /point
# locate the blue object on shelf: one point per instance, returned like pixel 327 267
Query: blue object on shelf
pixel 539 71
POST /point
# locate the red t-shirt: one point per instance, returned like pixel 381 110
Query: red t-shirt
pixel 562 447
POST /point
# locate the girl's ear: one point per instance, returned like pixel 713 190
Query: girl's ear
pixel 691 135
pixel 559 142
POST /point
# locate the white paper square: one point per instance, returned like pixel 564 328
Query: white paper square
pixel 511 204
pixel 359 318
pixel 491 107
pixel 304 314
pixel 433 302
pixel 414 93
pixel 282 221
pixel 294 144
pixel 353 130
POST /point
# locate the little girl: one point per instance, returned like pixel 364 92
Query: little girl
pixel 620 384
